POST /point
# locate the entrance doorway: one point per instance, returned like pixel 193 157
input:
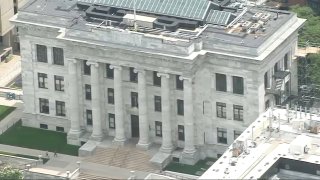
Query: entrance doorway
pixel 135 126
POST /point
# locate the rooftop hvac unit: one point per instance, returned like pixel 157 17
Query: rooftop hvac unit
pixel 255 27
pixel 257 16
pixel 246 25
pixel 265 17
pixel 300 145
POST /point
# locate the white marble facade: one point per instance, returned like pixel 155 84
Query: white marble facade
pixel 197 70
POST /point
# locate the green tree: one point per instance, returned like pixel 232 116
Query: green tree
pixel 10 173
pixel 315 67
pixel 311 30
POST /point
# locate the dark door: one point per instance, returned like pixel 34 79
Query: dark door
pixel 135 126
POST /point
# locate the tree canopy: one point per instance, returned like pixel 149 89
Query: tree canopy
pixel 311 31
pixel 10 173
pixel 315 66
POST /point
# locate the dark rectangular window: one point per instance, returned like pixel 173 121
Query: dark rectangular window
pixel 134 99
pixel 158 125
pixel 180 133
pixel 133 76
pixel 87 88
pixel 60 108
pixel 179 83
pixel 221 82
pixel 222 136
pixel 58 57
pixel 112 121
pixel 180 107
pixel 237 85
pixel 286 60
pixel 221 110
pixel 89 117
pixel 266 80
pixel 236 134
pixel 156 79
pixel 59 129
pixel 157 103
pixel 43 80
pixel 44 105
pixel 110 74
pixel 42 53
pixel 238 113
pixel 59 83
pixel 276 67
pixel 86 68
pixel 110 95
pixel 266 104
pixel 43 126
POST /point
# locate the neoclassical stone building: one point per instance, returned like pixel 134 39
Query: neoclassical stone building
pixel 190 75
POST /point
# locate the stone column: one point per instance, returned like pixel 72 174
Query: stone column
pixel 95 99
pixel 118 106
pixel 74 132
pixel 166 146
pixel 188 117
pixel 143 116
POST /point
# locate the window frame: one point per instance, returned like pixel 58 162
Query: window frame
pixel 109 72
pixel 89 119
pixel 180 107
pixel 59 83
pixel 236 134
pixel 42 80
pixel 60 108
pixel 156 79
pixel 179 83
pixel 133 77
pixel 157 104
pixel 221 87
pixel 58 56
pixel 237 88
pixel 181 133
pixel 221 110
pixel 44 103
pixel 88 92
pixel 110 97
pixel 42 56
pixel 223 139
pixel 112 121
pixel 158 132
pixel 134 99
pixel 238 112
pixel 86 68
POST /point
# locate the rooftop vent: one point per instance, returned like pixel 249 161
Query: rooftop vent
pixel 256 16
pixel 246 25
pixel 265 17
pixel 255 27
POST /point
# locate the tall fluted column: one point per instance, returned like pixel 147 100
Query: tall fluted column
pixel 118 102
pixel 188 117
pixel 96 96
pixel 143 116
pixel 166 146
pixel 74 132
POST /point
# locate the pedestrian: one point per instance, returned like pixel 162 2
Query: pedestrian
pixel 47 154
pixel 55 154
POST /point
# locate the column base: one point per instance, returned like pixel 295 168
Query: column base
pixel 143 146
pixel 167 150
pixel 190 157
pixel 96 138
pixel 73 137
pixel 119 142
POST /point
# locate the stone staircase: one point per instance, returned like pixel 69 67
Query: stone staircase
pixel 124 157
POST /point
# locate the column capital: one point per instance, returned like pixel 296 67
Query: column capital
pixel 118 67
pixel 89 63
pixel 185 78
pixel 160 74
pixel 139 71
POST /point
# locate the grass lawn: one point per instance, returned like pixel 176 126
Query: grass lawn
pixel 5 110
pixel 188 169
pixel 40 139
